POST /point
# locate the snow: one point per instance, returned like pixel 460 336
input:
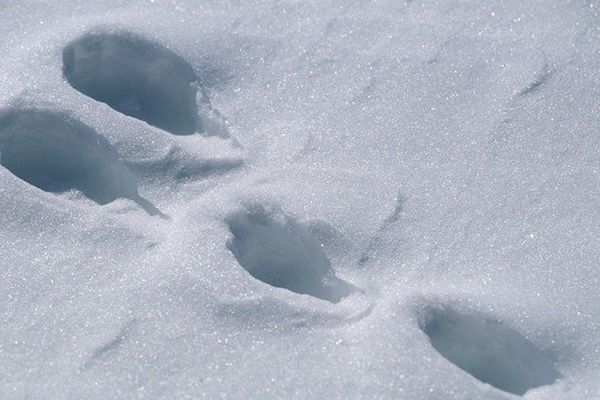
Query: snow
pixel 283 199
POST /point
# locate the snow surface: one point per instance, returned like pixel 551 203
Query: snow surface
pixel 300 199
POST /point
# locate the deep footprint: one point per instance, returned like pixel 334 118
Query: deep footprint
pixel 136 77
pixel 491 352
pixel 56 153
pixel 278 250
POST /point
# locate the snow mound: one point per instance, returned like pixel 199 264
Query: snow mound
pixel 493 353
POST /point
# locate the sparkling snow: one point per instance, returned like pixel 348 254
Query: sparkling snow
pixel 300 199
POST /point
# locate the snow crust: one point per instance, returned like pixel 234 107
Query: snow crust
pixel 300 199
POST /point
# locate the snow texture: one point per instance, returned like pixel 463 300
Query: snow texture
pixel 272 199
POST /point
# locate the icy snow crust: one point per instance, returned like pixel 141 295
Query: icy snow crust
pixel 281 199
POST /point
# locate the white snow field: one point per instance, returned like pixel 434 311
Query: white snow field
pixel 286 199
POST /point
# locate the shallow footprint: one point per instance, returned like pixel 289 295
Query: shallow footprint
pixel 492 353
pixel 278 250
pixel 136 77
pixel 56 153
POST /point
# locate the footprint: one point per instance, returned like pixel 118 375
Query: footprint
pixel 56 153
pixel 136 77
pixel 492 353
pixel 278 250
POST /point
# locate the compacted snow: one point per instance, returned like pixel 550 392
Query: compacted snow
pixel 300 199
